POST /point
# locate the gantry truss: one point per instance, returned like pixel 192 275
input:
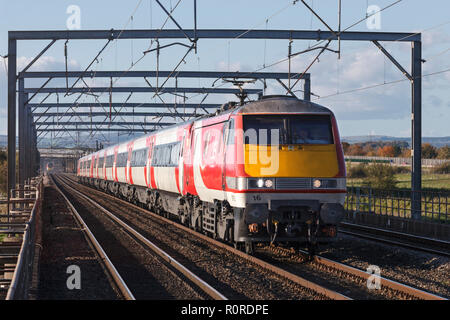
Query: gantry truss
pixel 36 118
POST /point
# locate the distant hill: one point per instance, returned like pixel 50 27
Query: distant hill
pixel 435 141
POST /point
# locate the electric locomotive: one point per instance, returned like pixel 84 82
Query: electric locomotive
pixel 271 170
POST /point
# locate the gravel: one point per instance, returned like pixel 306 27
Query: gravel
pixel 64 244
pixel 231 275
pixel 418 269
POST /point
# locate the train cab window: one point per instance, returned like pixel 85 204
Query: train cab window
pixel 265 130
pixel 292 129
pixel 311 130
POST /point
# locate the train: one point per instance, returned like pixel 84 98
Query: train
pixel 266 171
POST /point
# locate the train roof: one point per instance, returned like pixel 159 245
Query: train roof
pixel 282 104
pixel 267 104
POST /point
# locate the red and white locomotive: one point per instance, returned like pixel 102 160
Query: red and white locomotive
pixel 269 170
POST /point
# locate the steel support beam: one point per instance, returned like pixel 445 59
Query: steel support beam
pixel 387 54
pixel 125 105
pixel 97 130
pixel 162 74
pixel 212 34
pixel 127 113
pixel 142 89
pixel 23 130
pixel 12 71
pixel 37 57
pixel 101 123
pixel 416 128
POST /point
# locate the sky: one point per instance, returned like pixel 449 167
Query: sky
pixel 367 93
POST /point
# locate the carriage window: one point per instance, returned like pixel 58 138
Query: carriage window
pixel 166 155
pixel 139 158
pixel 230 138
pixel 122 159
pixel 110 161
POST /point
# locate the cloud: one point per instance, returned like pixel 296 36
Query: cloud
pixel 232 67
pixel 433 37
pixel 361 68
pixel 44 63
pixel 47 63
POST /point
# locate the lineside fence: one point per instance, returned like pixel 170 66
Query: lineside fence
pixel 19 246
pixel 392 209
pixel 395 161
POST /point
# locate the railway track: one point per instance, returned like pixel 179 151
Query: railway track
pixel 175 268
pixel 388 287
pixel 424 244
pixel 103 257
pixel 279 283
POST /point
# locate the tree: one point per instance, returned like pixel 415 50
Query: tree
pixel 345 146
pixel 386 151
pixel 444 152
pixel 355 150
pixel 3 176
pixel 428 151
pixel 406 153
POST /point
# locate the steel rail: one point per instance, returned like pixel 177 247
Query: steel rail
pixel 166 257
pixel 279 271
pixel 391 284
pixel 371 233
pixel 119 282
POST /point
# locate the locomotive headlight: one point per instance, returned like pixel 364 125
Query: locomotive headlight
pixel 317 183
pixel 260 183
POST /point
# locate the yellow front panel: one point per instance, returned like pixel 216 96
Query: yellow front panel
pixel 291 161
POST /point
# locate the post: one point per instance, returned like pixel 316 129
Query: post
pixel 307 89
pixel 416 128
pixel 12 66
pixel 22 133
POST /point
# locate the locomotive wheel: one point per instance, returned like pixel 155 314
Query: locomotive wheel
pixel 312 249
pixel 239 245
pixel 249 248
